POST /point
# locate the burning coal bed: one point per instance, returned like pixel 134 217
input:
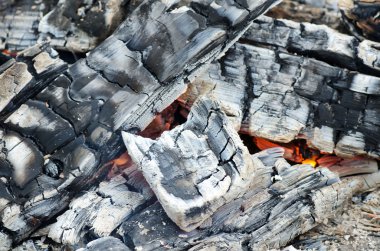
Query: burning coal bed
pixel 186 125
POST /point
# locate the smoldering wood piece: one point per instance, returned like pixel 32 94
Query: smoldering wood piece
pixel 100 210
pixel 361 18
pixel 317 41
pixel 287 96
pixel 317 12
pixel 347 167
pixel 28 74
pixel 265 218
pixel 80 26
pixel 153 53
pixel 106 244
pixel 151 228
pixel 205 165
pixel 19 22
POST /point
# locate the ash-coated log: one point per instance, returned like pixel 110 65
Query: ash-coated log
pixel 71 128
pixel 105 244
pixel 277 95
pixel 19 22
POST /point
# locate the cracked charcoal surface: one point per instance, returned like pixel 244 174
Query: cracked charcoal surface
pixel 277 95
pixel 77 118
pixel 268 215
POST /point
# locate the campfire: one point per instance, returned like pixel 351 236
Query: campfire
pixel 187 125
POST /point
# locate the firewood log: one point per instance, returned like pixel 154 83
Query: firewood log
pixel 71 128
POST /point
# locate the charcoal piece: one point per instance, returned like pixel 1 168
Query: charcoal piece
pixel 100 210
pixel 188 192
pixel 106 244
pixel 267 216
pixel 19 22
pixel 317 41
pixel 28 74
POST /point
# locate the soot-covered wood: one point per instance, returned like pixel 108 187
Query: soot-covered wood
pixel 122 84
pixel 311 11
pixel 277 95
pixel 281 202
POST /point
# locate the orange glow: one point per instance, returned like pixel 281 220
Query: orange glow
pixel 311 162
pixel 294 151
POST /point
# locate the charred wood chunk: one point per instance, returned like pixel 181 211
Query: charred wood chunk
pixel 205 165
pixel 81 25
pixel 100 210
pixel 267 216
pixel 19 22
pixel 317 12
pixel 285 96
pixel 317 41
pixel 106 244
pixel 361 18
pixel 24 77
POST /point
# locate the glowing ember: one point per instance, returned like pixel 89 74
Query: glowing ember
pixel 296 151
pixel 311 162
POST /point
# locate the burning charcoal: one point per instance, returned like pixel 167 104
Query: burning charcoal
pixel 106 244
pixel 205 165
pixel 311 11
pixel 122 84
pixel 101 210
pixel 362 18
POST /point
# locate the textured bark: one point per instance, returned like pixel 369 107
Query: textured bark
pixel 280 96
pixel 71 128
pixel 361 18
pixel 19 22
pixel 311 11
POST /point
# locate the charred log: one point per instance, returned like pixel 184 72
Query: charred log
pixel 274 209
pixel 276 95
pixel 122 84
